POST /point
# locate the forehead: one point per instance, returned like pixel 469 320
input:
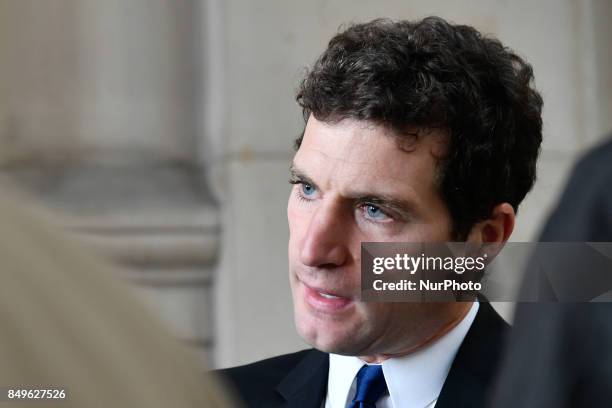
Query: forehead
pixel 357 155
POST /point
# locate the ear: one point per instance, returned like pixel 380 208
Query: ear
pixel 497 228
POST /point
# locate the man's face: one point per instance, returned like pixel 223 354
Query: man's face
pixel 355 184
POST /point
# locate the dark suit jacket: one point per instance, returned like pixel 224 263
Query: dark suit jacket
pixel 300 379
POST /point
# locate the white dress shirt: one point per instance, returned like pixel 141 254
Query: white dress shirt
pixel 413 381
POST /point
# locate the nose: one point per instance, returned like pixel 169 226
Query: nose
pixel 326 243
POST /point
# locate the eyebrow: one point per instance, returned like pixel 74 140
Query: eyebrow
pixel 298 176
pixel 406 208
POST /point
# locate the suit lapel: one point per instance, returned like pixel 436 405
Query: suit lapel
pixel 473 370
pixel 306 385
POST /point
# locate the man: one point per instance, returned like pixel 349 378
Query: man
pixel 416 132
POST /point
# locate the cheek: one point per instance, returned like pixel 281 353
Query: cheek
pixel 436 230
pixel 299 214
pixel 380 313
pixel 298 220
pixel 293 214
pixel 440 230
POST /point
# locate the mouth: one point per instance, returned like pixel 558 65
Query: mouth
pixel 324 300
pixel 328 296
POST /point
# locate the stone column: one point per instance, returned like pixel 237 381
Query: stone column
pixel 113 81
pixel 100 119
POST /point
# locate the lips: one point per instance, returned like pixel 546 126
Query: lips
pixel 324 300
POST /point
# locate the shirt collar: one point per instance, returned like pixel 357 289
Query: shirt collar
pixel 416 378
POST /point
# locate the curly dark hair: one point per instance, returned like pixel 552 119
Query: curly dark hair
pixel 433 74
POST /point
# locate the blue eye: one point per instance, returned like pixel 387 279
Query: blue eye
pixel 375 213
pixel 307 190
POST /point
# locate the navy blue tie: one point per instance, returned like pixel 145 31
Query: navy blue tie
pixel 371 386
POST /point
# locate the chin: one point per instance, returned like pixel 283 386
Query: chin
pixel 327 343
pixel 327 336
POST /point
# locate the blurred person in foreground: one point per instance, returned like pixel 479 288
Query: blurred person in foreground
pixel 68 324
pixel 560 354
pixel 420 131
